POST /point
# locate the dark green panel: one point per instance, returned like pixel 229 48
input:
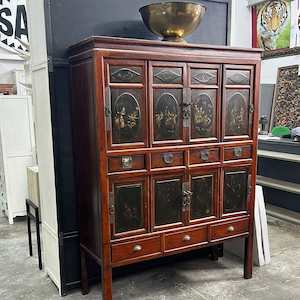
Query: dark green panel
pixel 129 207
pixel 235 191
pixel 168 201
pixel 202 198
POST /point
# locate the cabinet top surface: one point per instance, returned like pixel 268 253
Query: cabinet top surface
pixel 106 42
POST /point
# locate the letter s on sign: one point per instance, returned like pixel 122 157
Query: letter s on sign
pixel 5 26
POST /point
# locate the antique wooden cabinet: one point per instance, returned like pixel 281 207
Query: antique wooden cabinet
pixel 165 139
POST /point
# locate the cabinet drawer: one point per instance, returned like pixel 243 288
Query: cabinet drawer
pixel 126 162
pixel 184 239
pixel 207 155
pixel 237 152
pixel 228 229
pixel 167 159
pixel 134 249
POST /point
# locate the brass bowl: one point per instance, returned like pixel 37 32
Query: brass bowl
pixel 172 20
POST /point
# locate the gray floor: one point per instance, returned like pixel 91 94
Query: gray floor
pixel 192 278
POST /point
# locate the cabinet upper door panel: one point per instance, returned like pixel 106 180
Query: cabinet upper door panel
pixel 167 115
pixel 125 103
pixel 127 115
pixel 237 102
pixel 237 113
pixel 203 116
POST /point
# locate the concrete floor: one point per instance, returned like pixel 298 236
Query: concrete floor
pixel 186 278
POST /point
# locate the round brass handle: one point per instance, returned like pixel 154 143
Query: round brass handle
pixel 137 248
pixel 230 229
pixel 186 238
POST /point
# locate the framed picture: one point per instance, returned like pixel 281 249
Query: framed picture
pixel 286 104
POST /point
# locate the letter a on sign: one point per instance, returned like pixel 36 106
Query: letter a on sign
pixel 13 24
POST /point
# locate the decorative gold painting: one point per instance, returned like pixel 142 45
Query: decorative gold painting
pixel 286 105
pixel 274 24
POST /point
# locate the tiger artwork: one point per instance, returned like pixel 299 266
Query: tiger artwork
pixel 272 19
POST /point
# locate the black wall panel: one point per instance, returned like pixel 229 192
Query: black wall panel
pixel 67 22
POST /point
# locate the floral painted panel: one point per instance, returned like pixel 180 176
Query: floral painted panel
pixel 286 107
pixel 167 114
pixel 237 112
pixel 126 116
pixel 203 116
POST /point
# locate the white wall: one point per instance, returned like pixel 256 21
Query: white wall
pixel 241 24
pixel 270 67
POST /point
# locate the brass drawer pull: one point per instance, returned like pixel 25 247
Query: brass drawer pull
pixel 230 229
pixel 127 162
pixel 186 238
pixel 137 248
pixel 168 158
pixel 237 151
pixel 204 155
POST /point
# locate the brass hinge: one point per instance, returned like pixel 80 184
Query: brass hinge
pixel 251 108
pixel 111 208
pixel 107 109
pixel 186 107
pixel 186 196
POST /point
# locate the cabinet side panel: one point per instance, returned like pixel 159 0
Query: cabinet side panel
pixel 86 155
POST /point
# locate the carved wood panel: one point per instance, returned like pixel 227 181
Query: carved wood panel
pixel 125 74
pixel 167 75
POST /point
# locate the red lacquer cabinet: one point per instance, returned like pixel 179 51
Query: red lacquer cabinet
pixel 165 141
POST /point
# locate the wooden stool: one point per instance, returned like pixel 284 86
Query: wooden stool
pixel 36 218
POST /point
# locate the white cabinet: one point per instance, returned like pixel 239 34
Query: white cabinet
pixel 16 153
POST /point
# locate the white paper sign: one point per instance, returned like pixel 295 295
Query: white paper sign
pixel 13 24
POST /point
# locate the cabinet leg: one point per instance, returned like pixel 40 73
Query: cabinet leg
pixel 106 283
pixel 29 229
pixel 248 259
pixel 221 250
pixel 214 252
pixel 84 273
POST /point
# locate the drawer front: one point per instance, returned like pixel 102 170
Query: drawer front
pixel 237 152
pixel 184 239
pixel 167 159
pixel 228 229
pixel 126 162
pixel 135 249
pixel 199 156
